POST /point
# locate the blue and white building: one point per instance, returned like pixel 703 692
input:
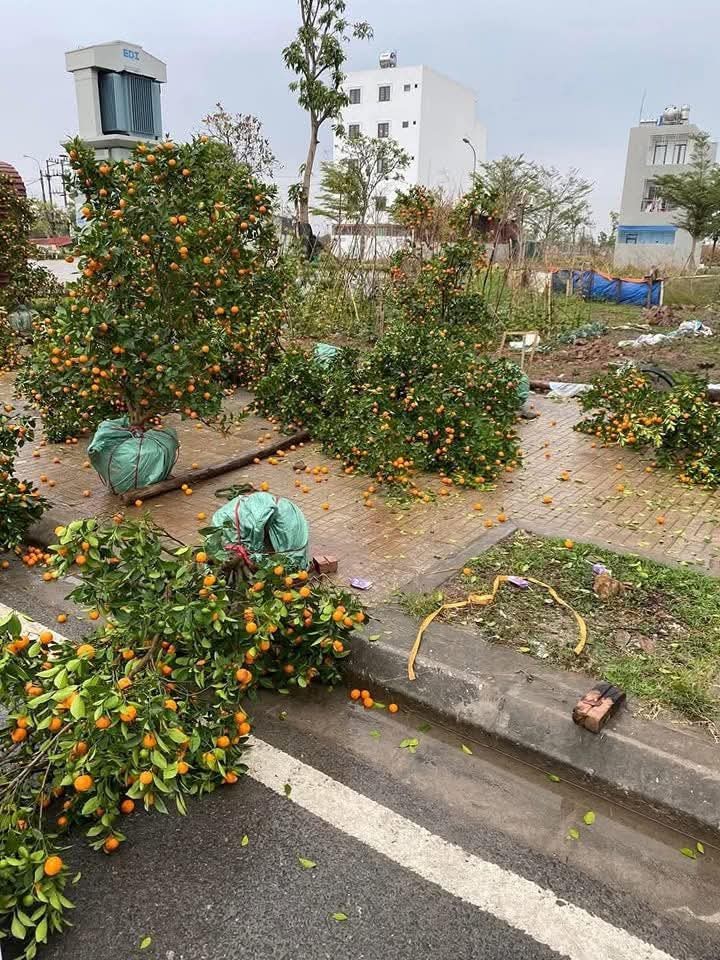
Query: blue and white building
pixel 647 234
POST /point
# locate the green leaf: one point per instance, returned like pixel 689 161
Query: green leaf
pixel 573 834
pixel 466 749
pixel 340 917
pixel 145 943
pixel 77 708
pixel 589 818
pixel 41 931
pixel 306 864
pixel 553 776
pixel 17 929
pixel 288 789
pixel 700 847
pixel 410 744
pixel 424 727
pixel 374 637
pixel 76 878
pixel 689 852
pixel 245 840
pixel 375 734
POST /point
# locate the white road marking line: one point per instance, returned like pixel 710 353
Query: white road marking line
pixel 523 904
pixel 569 929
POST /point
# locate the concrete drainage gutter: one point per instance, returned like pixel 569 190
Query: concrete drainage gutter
pixel 501 697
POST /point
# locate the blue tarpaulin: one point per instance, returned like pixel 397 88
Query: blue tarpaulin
pixel 592 285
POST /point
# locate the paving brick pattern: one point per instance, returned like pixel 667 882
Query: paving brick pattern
pixel 390 545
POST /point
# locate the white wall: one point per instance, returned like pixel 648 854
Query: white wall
pixel 448 115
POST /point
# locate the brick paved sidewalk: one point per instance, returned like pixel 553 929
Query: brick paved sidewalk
pixel 391 545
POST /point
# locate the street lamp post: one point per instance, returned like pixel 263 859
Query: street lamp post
pixel 469 143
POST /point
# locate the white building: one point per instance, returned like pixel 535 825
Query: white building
pixel 647 234
pixel 428 114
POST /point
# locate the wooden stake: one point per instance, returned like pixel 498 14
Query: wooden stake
pixel 207 473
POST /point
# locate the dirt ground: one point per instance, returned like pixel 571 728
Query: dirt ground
pixel 581 361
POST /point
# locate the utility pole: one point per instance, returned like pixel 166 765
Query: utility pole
pixel 49 183
pixel 42 181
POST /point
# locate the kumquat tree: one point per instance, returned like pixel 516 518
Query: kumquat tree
pixel 20 502
pixel 173 241
pixel 152 710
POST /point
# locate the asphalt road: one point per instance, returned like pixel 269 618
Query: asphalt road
pixel 437 854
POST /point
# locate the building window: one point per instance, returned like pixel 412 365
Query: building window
pixel 381 203
pixel 383 130
pixel 647 235
pixel 383 94
pixel 407 88
pixel 355 95
pixel 382 165
pixel 659 154
pixel 414 123
pixel 353 131
pixel 406 124
pixel 680 153
pixel 652 201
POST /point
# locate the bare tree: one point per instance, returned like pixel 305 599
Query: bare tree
pixel 243 135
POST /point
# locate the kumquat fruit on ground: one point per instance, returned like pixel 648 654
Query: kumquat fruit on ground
pixel 152 709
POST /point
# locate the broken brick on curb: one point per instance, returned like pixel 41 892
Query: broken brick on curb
pixel 597 706
pixel 325 563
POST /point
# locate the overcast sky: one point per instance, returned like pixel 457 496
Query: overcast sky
pixel 560 81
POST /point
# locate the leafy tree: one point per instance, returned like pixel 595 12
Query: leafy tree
pixel 172 259
pixel 338 197
pixel 243 135
pixel 560 205
pixel 20 280
pixel 49 221
pixel 695 194
pixel 20 502
pixel 425 213
pixel 317 56
pixel 370 163
pixel 607 239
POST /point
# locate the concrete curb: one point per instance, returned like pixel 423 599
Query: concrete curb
pixel 500 697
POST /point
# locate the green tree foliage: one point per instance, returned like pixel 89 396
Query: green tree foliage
pixel 20 280
pixel 695 193
pixel 175 289
pixel 317 56
pixel 149 712
pixel 20 502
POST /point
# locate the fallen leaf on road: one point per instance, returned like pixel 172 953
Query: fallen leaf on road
pixel 145 943
pixel 339 917
pixel 700 847
pixel 553 776
pixel 306 864
pixel 689 852
pixel 410 744
pixel 424 727
pixel 573 834
pixel 245 840
pixel 589 818
pixel 466 749
pixel 374 637
pixel 288 789
pixel 375 733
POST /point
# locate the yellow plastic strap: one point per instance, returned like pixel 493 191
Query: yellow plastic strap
pixel 483 600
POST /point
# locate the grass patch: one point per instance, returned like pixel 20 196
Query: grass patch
pixel 659 639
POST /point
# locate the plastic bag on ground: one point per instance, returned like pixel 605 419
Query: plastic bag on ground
pixel 261 525
pixel 127 458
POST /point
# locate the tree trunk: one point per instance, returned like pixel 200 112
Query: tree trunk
pixel 691 258
pixel 304 205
